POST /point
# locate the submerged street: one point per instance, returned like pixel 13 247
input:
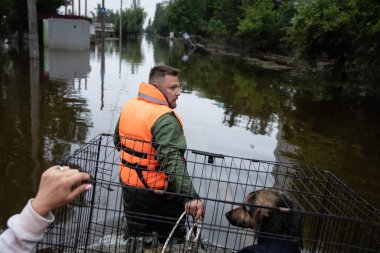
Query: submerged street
pixel 227 107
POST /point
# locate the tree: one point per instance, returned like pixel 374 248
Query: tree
pixel 3 17
pixel 16 13
pixel 225 16
pixel 149 27
pixel 17 18
pixel 160 24
pixel 345 32
pixel 186 16
pixel 260 24
pixel 133 20
pixel 366 44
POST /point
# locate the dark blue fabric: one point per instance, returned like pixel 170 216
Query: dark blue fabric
pixel 271 245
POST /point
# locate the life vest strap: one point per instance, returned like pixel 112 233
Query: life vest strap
pixel 133 152
pixel 139 169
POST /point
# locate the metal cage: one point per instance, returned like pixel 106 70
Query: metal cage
pixel 334 218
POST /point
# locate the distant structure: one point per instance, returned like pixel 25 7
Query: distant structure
pixel 72 11
pixel 66 32
pixel 109 29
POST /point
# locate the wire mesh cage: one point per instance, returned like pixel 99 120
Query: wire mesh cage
pixel 249 203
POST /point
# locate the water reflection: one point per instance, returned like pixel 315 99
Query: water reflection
pixel 132 53
pixel 65 64
pixel 41 119
pixel 35 117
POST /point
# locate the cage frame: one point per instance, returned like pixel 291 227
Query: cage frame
pixel 334 217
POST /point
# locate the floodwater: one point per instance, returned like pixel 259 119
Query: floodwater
pixel 48 110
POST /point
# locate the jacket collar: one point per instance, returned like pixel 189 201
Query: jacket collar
pixel 151 94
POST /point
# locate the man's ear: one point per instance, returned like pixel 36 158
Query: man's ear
pixel 155 84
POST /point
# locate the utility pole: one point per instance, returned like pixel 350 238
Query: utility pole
pixel 34 69
pixel 103 12
pixel 121 17
pixel 33 30
pixel 102 59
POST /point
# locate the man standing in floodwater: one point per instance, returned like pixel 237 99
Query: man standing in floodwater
pixel 151 141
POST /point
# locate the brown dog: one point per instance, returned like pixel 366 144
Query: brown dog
pixel 274 217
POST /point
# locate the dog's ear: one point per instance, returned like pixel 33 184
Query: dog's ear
pixel 258 217
pixel 285 201
pixel 249 200
pixel 264 201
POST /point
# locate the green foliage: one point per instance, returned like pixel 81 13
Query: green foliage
pixel 133 21
pixel 3 24
pixel 14 14
pixel 285 13
pixel 366 44
pixel 201 17
pixel 345 32
pixel 159 23
pixel 149 28
pixel 225 15
pixel 186 16
pixel 50 6
pixel 322 27
pixel 260 24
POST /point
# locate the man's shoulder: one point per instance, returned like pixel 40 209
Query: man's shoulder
pixel 168 118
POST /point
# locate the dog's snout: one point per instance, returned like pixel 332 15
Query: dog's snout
pixel 238 217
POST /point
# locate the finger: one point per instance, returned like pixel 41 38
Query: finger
pixel 77 191
pixel 189 210
pixel 78 177
pixel 199 213
pixel 187 207
pixel 68 172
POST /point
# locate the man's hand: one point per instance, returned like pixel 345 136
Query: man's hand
pixel 56 188
pixel 195 208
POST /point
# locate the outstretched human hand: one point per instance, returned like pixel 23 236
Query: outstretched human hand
pixel 195 208
pixel 56 188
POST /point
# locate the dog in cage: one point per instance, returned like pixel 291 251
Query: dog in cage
pixel 274 217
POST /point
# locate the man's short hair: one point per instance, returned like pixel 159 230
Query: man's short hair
pixel 162 71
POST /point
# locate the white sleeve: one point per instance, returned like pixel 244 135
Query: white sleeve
pixel 24 230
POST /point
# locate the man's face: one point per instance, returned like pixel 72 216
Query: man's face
pixel 170 87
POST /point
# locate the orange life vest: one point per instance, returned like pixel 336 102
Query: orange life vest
pixel 138 164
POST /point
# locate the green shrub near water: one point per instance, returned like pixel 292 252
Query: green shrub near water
pixel 344 33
